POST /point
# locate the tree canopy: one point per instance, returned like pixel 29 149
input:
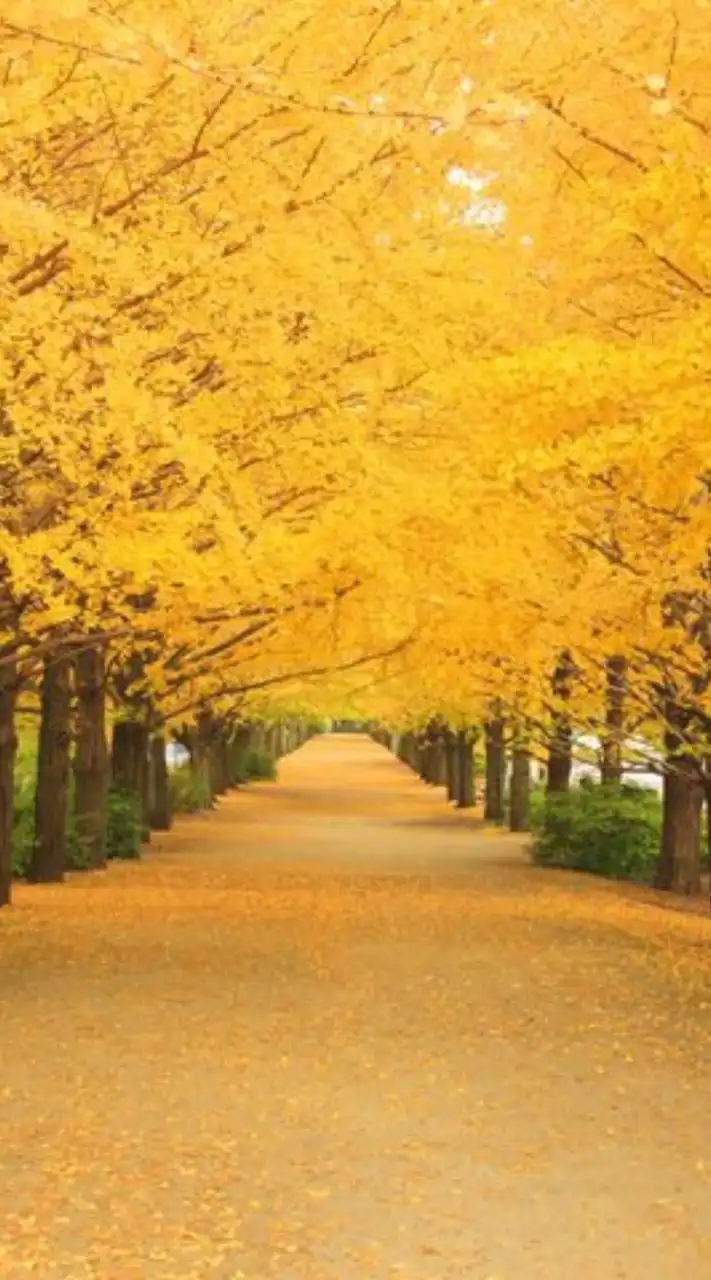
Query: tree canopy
pixel 355 357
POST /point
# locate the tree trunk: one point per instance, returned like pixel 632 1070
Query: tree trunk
pixel 431 764
pixel 520 808
pixel 226 758
pixel 560 751
pixel 439 762
pixel 433 759
pixel 708 828
pixel 91 755
pixel 451 761
pixel 202 758
pixel 198 765
pixel 223 756
pixel 218 782
pixel 560 760
pixel 271 744
pixel 466 797
pixel 238 754
pixel 129 765
pixel 495 771
pixel 424 758
pixel 611 768
pixel 160 812
pixel 145 786
pixel 679 866
pixel 412 752
pixel 49 851
pixel 8 743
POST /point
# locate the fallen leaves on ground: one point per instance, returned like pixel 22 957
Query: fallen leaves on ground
pixel 334 1031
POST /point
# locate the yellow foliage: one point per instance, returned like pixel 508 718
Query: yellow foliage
pixel 351 358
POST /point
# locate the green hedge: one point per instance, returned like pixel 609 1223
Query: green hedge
pixel 189 793
pixel 124 828
pixel 259 766
pixel 252 764
pixel 23 831
pixel 605 830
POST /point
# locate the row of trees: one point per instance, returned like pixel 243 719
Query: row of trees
pixel 84 755
pixel 190 386
pixel 509 748
pixel 351 364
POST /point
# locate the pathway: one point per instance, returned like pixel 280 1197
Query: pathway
pixel 335 1032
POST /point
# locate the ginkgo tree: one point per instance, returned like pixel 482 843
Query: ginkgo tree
pixel 351 359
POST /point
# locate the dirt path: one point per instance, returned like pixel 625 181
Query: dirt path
pixel 335 1032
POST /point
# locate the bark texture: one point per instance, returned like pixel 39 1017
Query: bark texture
pixel 91 760
pixel 129 764
pixel 160 812
pixel 560 751
pixel 8 743
pixel 679 867
pixel 466 790
pixel 611 767
pixel 495 770
pixel 520 807
pixel 49 850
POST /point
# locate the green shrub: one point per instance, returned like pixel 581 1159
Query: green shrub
pixel 239 763
pixel 123 834
pixel 23 832
pixel 605 830
pixel 252 764
pixel 189 793
pixel 123 825
pixel 259 766
pixel 24 803
pixel 78 858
